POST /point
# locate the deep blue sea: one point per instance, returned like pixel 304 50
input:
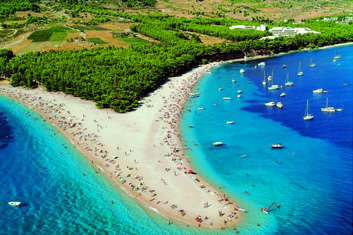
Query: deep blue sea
pixel 311 177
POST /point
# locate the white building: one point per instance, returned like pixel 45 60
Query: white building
pixel 288 31
pixel 260 28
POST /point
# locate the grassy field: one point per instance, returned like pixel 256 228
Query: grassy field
pixel 134 40
pixel 97 41
pixel 83 28
pixel 55 33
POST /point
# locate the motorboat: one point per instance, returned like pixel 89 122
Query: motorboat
pixel 328 109
pixel 218 143
pixel 230 122
pixel 14 203
pixel 234 80
pixel 239 91
pixel 227 98
pixel 273 87
pixel 312 65
pixel 238 96
pixel 308 116
pixel 201 108
pixel 279 105
pixel 261 64
pixel 270 104
pixel 283 94
pixel 220 89
pixel 277 146
pixel 284 66
pixel 318 91
pixel 242 70
pixel 339 110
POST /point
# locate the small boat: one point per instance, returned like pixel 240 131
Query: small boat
pixel 277 146
pixel 308 116
pixel 312 65
pixel 288 83
pixel 230 122
pixel 220 89
pixel 242 70
pixel 264 81
pixel 234 80
pixel 318 91
pixel 270 77
pixel 339 110
pixel 239 91
pixel 218 143
pixel 283 94
pixel 238 96
pixel 328 109
pixel 227 98
pixel 284 66
pixel 336 58
pixel 261 64
pixel 14 203
pixel 300 72
pixel 201 108
pixel 194 95
pixel 273 87
pixel 270 104
pixel 279 105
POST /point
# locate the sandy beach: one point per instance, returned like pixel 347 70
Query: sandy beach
pixel 140 151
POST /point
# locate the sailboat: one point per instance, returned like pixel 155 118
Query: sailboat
pixel 336 57
pixel 288 83
pixel 273 86
pixel 264 81
pixel 308 116
pixel 269 78
pixel 311 63
pixel 328 109
pixel 300 72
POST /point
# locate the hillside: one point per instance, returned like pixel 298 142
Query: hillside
pixel 116 52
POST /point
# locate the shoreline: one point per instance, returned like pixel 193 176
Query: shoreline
pixel 190 196
pixel 93 133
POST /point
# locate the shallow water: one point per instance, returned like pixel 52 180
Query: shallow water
pixel 311 178
pixel 313 182
pixel 60 191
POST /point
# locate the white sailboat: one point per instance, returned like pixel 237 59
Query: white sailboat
pixel 264 81
pixel 270 77
pixel 312 65
pixel 328 109
pixel 336 57
pixel 300 72
pixel 273 86
pixel 308 116
pixel 288 83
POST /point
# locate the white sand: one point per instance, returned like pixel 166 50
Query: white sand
pixel 150 165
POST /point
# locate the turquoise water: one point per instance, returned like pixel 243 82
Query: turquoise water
pixel 60 191
pixel 311 178
pixel 62 194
